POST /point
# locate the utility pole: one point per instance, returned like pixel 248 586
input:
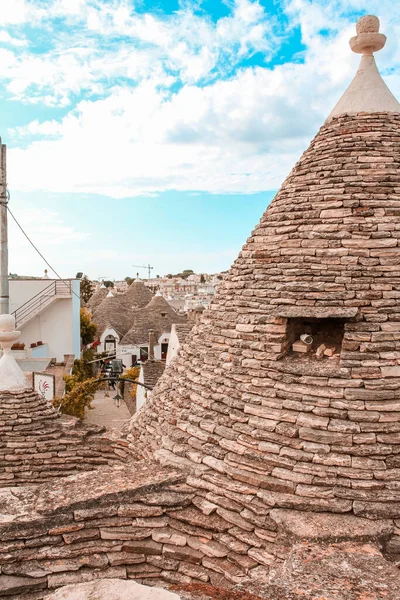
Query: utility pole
pixel 4 293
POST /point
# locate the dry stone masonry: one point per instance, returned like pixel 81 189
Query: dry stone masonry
pixel 37 445
pixel 312 434
pixel 259 471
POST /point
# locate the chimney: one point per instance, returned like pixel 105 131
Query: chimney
pixel 151 344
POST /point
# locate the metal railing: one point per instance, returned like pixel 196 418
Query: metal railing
pixel 56 289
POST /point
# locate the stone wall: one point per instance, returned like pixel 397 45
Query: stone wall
pixel 37 445
pixel 168 528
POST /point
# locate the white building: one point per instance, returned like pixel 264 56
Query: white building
pixel 150 372
pixel 179 333
pixel 47 312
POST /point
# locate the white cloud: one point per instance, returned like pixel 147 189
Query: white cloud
pixel 46 228
pixel 166 119
pixel 55 239
pixel 6 38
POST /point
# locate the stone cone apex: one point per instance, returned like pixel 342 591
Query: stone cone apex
pixel 239 405
pixel 11 376
pixel 367 92
pixel 137 295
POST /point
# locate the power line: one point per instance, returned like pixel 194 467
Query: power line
pixel 38 251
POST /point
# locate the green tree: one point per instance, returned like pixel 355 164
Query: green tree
pixel 202 278
pixel 87 289
pixel 185 274
pixel 109 284
pixel 88 327
pixel 129 280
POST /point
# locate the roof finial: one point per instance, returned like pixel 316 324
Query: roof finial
pixel 11 375
pixel 368 39
pixel 367 93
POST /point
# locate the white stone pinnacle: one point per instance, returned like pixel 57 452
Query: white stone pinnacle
pixel 11 376
pixel 367 92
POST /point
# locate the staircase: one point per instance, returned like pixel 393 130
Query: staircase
pixel 57 289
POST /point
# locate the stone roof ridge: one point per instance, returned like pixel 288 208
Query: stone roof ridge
pixel 367 92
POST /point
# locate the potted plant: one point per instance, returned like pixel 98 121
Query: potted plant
pixel 33 345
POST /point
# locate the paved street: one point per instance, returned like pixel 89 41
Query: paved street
pixel 105 412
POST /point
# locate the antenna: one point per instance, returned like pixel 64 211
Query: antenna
pixel 148 267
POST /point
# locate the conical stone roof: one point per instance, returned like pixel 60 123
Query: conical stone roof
pixel 157 315
pixel 113 312
pixel 137 295
pixel 97 298
pixel 302 433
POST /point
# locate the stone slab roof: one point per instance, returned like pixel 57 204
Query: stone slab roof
pixel 97 298
pixel 183 330
pixel 157 315
pixel 152 371
pixel 113 313
pixel 137 295
pixel 308 434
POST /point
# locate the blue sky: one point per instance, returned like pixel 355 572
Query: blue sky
pixel 157 130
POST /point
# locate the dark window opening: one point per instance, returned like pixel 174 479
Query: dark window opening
pixel 110 343
pixel 164 351
pixel 325 335
pixel 144 354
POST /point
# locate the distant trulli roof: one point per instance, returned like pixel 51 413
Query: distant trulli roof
pixel 97 298
pixel 157 315
pixel 303 433
pixel 113 313
pixel 137 295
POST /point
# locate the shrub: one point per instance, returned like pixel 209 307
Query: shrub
pixel 131 373
pixel 78 396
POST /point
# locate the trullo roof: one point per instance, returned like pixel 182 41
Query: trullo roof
pixel 237 403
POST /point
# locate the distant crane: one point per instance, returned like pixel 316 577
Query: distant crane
pixel 148 267
pixel 102 278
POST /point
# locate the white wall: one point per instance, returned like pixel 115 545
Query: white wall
pixel 141 392
pixel 22 290
pixel 58 325
pixel 173 346
pixel 54 327
pixel 125 352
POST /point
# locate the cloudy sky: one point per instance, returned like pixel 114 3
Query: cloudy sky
pixel 158 130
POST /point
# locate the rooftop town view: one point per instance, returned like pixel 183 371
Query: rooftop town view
pixel 215 432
